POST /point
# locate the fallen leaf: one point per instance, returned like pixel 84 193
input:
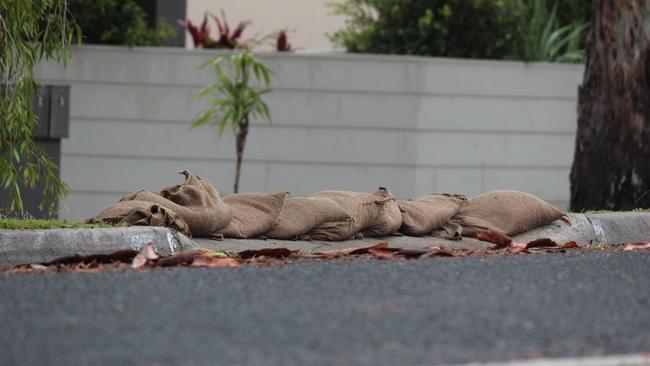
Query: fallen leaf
pixel 337 253
pixel 414 252
pixel 562 248
pixel 439 253
pixel 125 256
pixel 149 252
pixel 211 261
pixel 517 248
pixel 383 253
pixel 494 236
pixel 570 245
pixel 138 261
pixel 267 252
pixel 637 246
pixel 179 259
pixel 366 250
pixel 541 243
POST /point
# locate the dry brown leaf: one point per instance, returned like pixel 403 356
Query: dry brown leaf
pixel 337 253
pixel 494 236
pixel 211 261
pixel 383 253
pixel 541 243
pixel 516 248
pixel 180 259
pixel 570 245
pixel 414 252
pixel 366 250
pixel 149 252
pixel 138 261
pixel 125 256
pixel 440 253
pixel 267 252
pixel 637 246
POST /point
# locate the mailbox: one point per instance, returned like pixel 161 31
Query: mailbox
pixel 59 111
pixel 41 108
pixel 51 105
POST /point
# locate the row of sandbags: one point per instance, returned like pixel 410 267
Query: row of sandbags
pixel 196 209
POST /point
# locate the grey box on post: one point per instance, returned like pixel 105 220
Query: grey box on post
pixel 51 105
pixel 59 111
pixel 41 108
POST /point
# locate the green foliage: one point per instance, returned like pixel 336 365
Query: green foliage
pixel 232 100
pixel 544 39
pixel 494 29
pixel 451 28
pixel 30 31
pixel 119 22
pixel 573 11
pixel 33 224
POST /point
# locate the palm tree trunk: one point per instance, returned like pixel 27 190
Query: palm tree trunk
pixel 242 132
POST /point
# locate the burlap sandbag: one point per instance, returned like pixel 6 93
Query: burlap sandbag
pixel 301 214
pixel 140 213
pixel 512 212
pixel 363 209
pixel 196 201
pixel 253 214
pixel 422 216
pixel 389 219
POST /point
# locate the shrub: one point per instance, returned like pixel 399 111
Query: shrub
pixel 530 30
pixel 573 11
pixel 544 38
pixel 452 28
pixel 119 22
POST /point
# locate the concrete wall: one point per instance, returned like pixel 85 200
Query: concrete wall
pixel 416 125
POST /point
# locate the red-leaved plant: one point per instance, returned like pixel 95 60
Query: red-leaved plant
pixel 228 40
pixel 200 35
pixel 282 43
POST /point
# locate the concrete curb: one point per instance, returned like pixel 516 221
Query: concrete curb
pixel 34 246
pixel 608 228
pixel 614 360
pixel 44 245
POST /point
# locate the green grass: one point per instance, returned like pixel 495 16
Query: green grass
pixel 591 212
pixel 34 224
pixel 606 211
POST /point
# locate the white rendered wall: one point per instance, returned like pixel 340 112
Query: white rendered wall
pixel 416 125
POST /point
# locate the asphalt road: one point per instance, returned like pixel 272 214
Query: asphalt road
pixel 444 310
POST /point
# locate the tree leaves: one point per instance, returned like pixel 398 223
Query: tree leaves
pixel 29 32
pixel 544 39
pixel 232 99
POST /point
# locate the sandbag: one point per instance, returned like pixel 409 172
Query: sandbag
pixel 196 201
pixel 388 221
pixel 301 214
pixel 140 213
pixel 424 215
pixel 253 214
pixel 363 209
pixel 512 212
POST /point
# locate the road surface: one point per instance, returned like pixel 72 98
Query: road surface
pixel 353 312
